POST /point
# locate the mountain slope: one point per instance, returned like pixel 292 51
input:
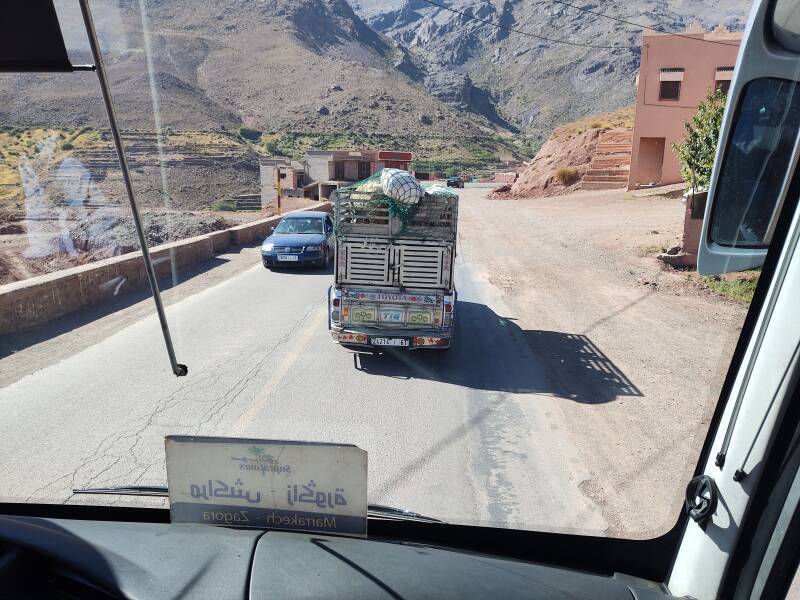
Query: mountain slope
pixel 531 83
pixel 309 65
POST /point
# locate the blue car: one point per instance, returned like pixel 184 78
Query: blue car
pixel 300 239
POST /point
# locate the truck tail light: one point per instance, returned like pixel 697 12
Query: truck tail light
pixel 430 341
pixel 336 302
pixel 357 338
pixel 448 306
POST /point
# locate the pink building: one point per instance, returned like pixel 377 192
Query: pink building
pixel 675 75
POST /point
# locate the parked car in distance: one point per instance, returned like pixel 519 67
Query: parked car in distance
pixel 457 182
pixel 300 238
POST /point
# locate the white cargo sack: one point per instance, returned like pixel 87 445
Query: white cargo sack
pixel 400 186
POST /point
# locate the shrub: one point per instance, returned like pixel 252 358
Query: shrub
pixel 272 147
pixel 67 146
pixel 223 205
pixel 249 134
pixel 596 125
pixel 696 151
pixel 567 175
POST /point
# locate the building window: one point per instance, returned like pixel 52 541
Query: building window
pixel 670 84
pixel 723 78
pixel 363 170
pixel 300 180
pixel 338 171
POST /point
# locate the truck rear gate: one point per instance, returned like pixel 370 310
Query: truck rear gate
pixel 401 263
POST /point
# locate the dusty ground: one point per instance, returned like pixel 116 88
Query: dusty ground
pixel 655 347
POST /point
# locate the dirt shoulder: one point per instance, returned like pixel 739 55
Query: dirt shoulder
pixel 637 353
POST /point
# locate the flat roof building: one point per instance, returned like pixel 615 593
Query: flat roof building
pixel 322 171
pixel 675 75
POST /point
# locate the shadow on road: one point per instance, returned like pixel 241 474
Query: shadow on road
pixel 493 353
pixel 309 270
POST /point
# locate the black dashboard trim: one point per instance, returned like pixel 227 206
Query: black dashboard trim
pixel 648 559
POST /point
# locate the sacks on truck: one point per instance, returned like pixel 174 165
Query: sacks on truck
pixel 400 185
pixel 394 194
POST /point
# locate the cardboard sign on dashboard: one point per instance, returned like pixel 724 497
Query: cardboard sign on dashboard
pixel 269 484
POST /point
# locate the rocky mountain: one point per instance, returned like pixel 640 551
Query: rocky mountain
pixel 524 82
pixel 273 65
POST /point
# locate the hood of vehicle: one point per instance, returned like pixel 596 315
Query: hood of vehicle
pixel 296 239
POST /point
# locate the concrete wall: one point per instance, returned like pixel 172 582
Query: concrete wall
pixel 665 119
pixel 317 167
pixel 40 299
pixel 269 182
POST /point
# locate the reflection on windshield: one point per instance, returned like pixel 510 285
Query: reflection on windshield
pixel 517 351
pixel 297 225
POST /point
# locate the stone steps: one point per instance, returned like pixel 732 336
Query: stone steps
pixel 248 202
pixel 611 162
pixel 615 162
pixel 601 185
pixel 605 179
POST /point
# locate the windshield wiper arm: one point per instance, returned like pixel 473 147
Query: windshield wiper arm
pixel 126 490
pixel 378 511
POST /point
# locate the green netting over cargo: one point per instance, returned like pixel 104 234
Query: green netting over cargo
pixel 370 191
pixel 364 208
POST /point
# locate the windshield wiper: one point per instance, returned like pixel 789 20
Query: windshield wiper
pixel 380 511
pixel 126 490
pixel 377 511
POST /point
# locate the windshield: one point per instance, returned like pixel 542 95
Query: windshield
pixel 299 225
pixel 530 349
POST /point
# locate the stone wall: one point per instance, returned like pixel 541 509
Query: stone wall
pixel 41 299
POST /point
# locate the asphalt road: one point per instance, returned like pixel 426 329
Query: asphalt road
pixel 460 435
pixel 492 432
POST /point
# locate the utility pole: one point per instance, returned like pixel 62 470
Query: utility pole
pixel 278 187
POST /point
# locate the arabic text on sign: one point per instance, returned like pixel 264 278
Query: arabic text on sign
pixel 219 489
pixel 310 495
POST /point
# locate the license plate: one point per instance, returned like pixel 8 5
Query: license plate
pixel 363 314
pixel 391 315
pixel 286 258
pixel 389 341
pixel 420 318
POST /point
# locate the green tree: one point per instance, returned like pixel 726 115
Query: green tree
pixel 697 150
pixel 249 134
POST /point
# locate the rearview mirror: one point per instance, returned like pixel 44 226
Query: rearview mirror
pixel 755 161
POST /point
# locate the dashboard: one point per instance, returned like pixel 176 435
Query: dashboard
pixel 52 558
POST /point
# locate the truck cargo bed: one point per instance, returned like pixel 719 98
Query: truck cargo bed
pixel 435 217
